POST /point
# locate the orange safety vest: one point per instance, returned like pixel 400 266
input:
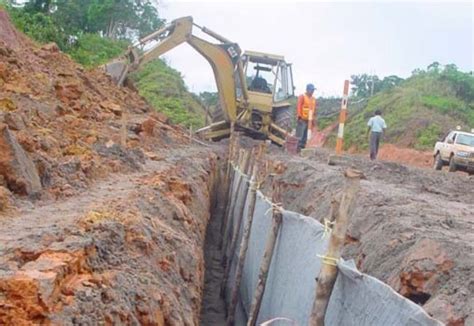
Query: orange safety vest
pixel 309 105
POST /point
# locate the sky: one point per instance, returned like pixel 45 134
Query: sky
pixel 327 42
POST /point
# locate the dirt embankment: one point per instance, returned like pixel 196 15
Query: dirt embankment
pixel 412 228
pixel 128 251
pixel 62 126
pixel 103 204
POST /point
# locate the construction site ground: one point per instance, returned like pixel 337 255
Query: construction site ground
pixel 412 227
pixel 104 207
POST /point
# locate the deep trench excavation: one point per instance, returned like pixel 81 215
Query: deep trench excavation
pixel 213 310
pixel 394 202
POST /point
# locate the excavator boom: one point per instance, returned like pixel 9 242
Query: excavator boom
pixel 261 108
pixel 223 57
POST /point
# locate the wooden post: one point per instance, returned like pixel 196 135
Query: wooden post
pixel 238 213
pixel 237 162
pixel 232 144
pixel 233 202
pixel 238 210
pixel 254 182
pixel 229 251
pixel 228 234
pixel 266 260
pixel 342 119
pixel 328 273
pixel 233 159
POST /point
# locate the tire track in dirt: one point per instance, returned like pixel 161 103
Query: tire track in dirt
pixel 58 215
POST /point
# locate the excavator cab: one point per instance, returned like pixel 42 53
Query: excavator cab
pixel 268 73
pixel 269 82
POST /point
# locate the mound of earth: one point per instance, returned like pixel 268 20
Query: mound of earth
pixel 62 126
pixel 103 204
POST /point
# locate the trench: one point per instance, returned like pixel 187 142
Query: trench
pixel 213 308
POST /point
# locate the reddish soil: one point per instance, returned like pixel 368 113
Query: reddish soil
pixel 127 251
pixel 389 152
pixel 103 204
pixel 75 125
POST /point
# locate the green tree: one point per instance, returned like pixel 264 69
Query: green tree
pixel 92 50
pixel 434 67
pixel 43 6
pixel 365 85
pixel 360 85
pixel 209 98
pixel 72 16
pixel 116 19
pixel 123 18
pixel 463 83
pixel 389 82
pixel 39 26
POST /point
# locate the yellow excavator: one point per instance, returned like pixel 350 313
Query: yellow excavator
pixel 254 88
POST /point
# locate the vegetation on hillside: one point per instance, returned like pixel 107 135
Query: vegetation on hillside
pixel 419 110
pixel 365 85
pixel 164 89
pixel 92 50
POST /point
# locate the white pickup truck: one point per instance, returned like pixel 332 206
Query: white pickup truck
pixel 456 150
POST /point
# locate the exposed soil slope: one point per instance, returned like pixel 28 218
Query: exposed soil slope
pixel 103 204
pixel 128 251
pixel 74 125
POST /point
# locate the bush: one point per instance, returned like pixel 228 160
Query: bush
pixel 38 26
pixel 428 136
pixel 92 50
pixel 164 88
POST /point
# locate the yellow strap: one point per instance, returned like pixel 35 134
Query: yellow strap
pixel 329 260
pixel 255 185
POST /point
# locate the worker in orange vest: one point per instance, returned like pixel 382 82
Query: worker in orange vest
pixel 306 106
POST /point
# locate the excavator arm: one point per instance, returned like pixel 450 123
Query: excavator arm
pixel 224 59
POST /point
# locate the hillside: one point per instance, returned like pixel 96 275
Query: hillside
pixel 164 89
pixel 162 86
pixel 418 111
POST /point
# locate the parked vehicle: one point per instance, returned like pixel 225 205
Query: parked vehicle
pixel 456 150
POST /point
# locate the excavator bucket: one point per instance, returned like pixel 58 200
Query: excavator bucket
pixel 117 70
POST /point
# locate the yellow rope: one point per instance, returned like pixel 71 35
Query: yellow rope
pixel 329 260
pixel 254 185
